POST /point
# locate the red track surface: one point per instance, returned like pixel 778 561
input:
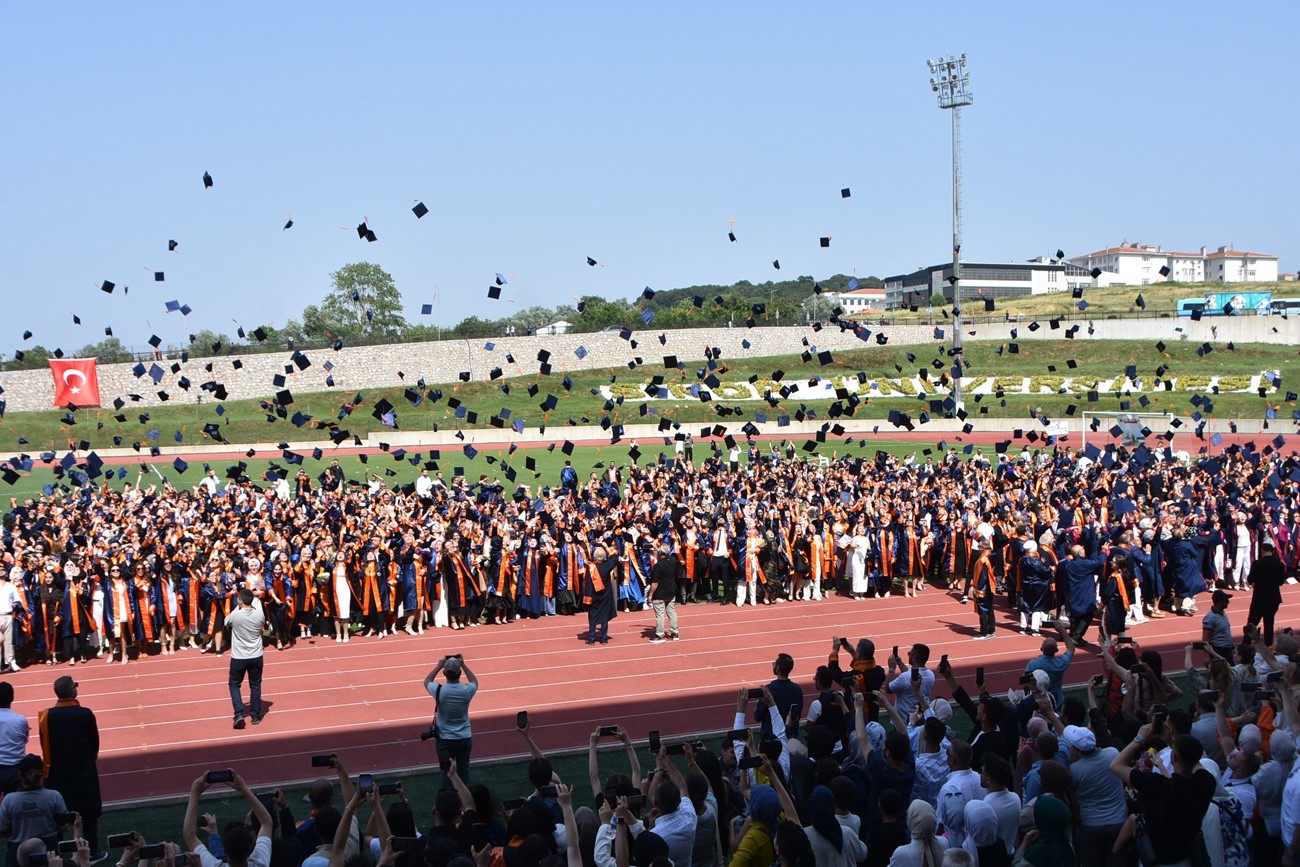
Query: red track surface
pixel 164 720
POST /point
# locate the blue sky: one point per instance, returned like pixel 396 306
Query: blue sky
pixel 540 134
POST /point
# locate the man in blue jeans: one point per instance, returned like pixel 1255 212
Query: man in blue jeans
pixel 246 623
pixel 451 714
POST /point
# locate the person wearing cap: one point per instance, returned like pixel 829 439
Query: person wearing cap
pixel 14 733
pixel 1267 575
pixel 31 811
pixel 1103 807
pixel 10 604
pixel 70 744
pixel 246 623
pixel 1216 631
pixel 663 593
pixel 451 714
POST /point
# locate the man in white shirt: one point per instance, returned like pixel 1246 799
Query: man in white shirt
pixel 674 820
pixel 14 732
pixel 963 786
pixel 424 485
pixel 241 849
pixel 9 601
pixel 905 685
pixel 996 777
pixel 246 623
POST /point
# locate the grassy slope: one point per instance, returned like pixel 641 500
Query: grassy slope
pixel 245 421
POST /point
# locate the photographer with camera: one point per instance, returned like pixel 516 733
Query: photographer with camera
pixel 238 844
pixel 451 715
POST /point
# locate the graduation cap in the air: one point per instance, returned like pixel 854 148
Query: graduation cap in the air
pixel 591 262
pixel 419 210
pixel 825 241
pixel 1095 273
pixel 207 180
pixel 1164 271
pixel 1141 302
pixel 776 263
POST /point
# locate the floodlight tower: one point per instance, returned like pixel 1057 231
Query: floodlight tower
pixel 950 80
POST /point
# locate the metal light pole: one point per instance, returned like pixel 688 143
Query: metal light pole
pixel 950 81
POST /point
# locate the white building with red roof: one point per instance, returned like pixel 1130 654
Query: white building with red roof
pixel 1144 264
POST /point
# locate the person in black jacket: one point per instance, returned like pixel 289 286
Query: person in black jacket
pixel 994 729
pixel 1267 575
pixel 663 593
pixel 70 743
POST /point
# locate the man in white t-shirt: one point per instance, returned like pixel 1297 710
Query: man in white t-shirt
pixel 241 848
pixel 915 675
pixel 246 623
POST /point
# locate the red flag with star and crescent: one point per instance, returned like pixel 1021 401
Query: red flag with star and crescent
pixel 75 382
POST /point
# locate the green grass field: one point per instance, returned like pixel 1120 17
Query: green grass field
pixel 247 422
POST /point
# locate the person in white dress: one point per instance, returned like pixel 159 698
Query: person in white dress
pixel 343 597
pixel 859 546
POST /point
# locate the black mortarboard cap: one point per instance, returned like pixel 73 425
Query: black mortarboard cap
pixel 1095 272
pixel 172 245
pixel 1164 271
pixel 989 305
pixel 107 287
pixel 207 180
pixel 494 292
pixel 825 242
pixel 1141 302
pixel 419 210
pixel 776 263
pixel 591 262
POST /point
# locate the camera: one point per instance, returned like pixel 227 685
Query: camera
pixel 429 733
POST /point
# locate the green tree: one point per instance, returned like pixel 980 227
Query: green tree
pixel 208 342
pixel 363 302
pixel 937 300
pixel 107 351
pixel 473 326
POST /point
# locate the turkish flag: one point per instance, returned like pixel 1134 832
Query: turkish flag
pixel 75 382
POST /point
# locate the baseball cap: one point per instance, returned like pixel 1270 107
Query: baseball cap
pixel 1080 738
pixel 452 666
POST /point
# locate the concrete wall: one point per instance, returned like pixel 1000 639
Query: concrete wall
pixel 361 368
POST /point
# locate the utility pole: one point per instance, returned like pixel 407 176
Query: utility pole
pixel 950 80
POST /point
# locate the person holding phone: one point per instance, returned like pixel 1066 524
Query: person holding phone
pixel 239 845
pixel 70 744
pixel 451 714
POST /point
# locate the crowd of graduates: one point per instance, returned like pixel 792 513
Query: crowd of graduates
pixel 1123 534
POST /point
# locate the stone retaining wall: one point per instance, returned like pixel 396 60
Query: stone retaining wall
pixel 367 367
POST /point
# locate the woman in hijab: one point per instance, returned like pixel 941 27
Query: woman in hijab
pixel 1048 845
pixel 925 849
pixel 982 839
pixel 830 845
pixel 752 842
